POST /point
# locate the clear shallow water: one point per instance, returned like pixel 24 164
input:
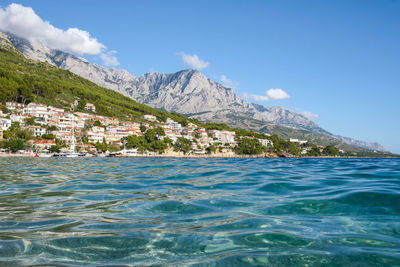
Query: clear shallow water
pixel 199 212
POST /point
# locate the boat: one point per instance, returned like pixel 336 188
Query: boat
pixel 69 154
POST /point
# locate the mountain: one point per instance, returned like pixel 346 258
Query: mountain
pixel 25 80
pixel 191 93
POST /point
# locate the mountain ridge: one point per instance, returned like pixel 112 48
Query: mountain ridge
pixel 187 92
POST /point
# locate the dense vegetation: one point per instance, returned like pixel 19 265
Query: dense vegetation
pixel 153 140
pixel 24 81
pixel 247 146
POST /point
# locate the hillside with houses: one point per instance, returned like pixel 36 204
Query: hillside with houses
pixel 52 129
pixel 37 128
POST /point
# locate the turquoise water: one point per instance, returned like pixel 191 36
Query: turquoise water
pixel 199 212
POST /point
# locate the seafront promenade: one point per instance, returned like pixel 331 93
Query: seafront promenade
pixel 166 155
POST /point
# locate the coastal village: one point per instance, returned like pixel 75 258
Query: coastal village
pixel 80 131
pixel 40 130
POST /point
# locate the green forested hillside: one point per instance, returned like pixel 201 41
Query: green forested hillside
pixel 24 80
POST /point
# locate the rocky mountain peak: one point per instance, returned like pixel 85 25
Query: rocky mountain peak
pixel 187 92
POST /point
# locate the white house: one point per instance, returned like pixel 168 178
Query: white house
pixel 224 136
pixel 17 118
pixel 36 110
pixel 266 142
pixel 96 134
pixel 14 106
pixel 37 130
pixel 174 125
pixel 150 117
pixel 294 140
pixel 44 144
pixel 5 124
pixel 90 107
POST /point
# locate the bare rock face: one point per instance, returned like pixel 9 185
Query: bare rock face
pixel 187 92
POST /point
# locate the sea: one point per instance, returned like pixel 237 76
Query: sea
pixel 199 212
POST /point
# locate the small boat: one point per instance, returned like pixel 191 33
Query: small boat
pixel 69 155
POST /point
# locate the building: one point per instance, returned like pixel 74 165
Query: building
pixel 224 137
pixel 65 135
pixel 15 106
pixel 44 144
pixel 83 116
pixel 37 130
pixel 5 124
pixel 17 118
pixel 64 120
pixel 86 147
pixel 36 110
pixel 96 134
pixel 150 117
pixel 52 109
pixel 1 134
pixel 173 125
pixel 293 140
pixel 111 121
pixel 90 107
pixel 101 119
pixel 266 142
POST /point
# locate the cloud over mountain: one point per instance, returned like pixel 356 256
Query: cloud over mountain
pixel 24 22
pixel 227 82
pixel 109 59
pixel 271 94
pixel 193 61
pixel 309 115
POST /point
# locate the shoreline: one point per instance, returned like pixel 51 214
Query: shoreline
pixel 218 155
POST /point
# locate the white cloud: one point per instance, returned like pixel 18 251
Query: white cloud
pixel 193 61
pixel 109 59
pixel 276 94
pixel 271 94
pixel 24 22
pixel 309 115
pixel 228 83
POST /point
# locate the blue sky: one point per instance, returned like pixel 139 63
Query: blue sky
pixel 338 60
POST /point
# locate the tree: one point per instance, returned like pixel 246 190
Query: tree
pixel 14 144
pixel 48 136
pixel 51 128
pixel 331 150
pixel 15 131
pixel 85 139
pixel 101 147
pixel 183 144
pixel 211 149
pixel 97 123
pixel 150 136
pixel 142 128
pixel 82 104
pixel 30 121
pixel 158 146
pixel 314 151
pixel 167 140
pixel 54 149
pixel 248 146
pixel 159 131
pixel 4 109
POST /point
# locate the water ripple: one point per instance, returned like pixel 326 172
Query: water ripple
pixel 199 212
